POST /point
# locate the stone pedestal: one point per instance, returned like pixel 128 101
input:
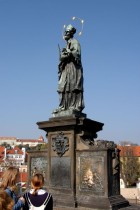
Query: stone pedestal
pixel 81 172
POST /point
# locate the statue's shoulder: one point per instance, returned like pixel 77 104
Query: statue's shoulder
pixel 74 41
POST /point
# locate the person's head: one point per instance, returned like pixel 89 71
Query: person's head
pixel 6 202
pixel 37 182
pixel 69 32
pixel 10 177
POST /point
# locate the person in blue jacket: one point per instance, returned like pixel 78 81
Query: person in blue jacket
pixel 9 180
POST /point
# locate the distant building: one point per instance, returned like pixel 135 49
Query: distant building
pixel 129 151
pixel 122 184
pixel 129 164
pixel 14 157
pixel 138 183
pixel 13 141
pixel 9 140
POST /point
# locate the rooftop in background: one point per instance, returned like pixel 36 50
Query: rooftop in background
pixel 132 150
pixel 40 139
pixel 17 139
pixel 7 138
pixel 13 141
pixel 15 150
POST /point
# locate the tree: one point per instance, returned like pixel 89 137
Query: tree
pixel 40 147
pixel 6 145
pixel 20 146
pixel 130 166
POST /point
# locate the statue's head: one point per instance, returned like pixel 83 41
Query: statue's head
pixel 69 32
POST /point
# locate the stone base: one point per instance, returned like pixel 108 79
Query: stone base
pixel 102 203
pixel 64 201
pixel 70 113
pixel 131 207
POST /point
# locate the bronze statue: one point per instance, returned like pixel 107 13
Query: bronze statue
pixel 70 84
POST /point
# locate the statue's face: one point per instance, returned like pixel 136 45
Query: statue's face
pixel 67 35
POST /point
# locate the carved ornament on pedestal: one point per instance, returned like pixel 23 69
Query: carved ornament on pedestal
pixel 60 144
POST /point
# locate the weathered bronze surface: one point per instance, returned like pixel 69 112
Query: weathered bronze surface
pixel 61 172
pixel 92 174
pixel 70 74
pixel 60 144
pixel 37 163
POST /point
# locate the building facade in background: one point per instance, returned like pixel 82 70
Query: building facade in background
pixel 13 141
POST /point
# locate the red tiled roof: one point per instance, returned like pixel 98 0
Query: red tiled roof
pixel 1 153
pixel 2 149
pixel 133 150
pixel 13 151
pixel 41 138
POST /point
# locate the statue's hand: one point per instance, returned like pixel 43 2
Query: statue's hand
pixel 64 56
pixel 68 51
pixel 63 50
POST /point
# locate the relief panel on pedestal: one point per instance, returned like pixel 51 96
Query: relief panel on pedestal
pixel 91 170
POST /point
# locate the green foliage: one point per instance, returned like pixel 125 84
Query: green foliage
pixel 6 145
pixel 39 147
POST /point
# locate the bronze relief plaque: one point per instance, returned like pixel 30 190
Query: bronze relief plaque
pixel 37 163
pixel 92 174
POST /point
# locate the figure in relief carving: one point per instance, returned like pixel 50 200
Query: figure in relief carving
pixel 116 162
pixel 116 171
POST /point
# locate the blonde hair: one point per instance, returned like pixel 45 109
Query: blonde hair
pixel 6 202
pixel 9 178
pixel 37 182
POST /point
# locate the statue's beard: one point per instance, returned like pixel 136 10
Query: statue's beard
pixel 66 37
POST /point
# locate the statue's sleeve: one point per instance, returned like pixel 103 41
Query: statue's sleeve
pixel 76 50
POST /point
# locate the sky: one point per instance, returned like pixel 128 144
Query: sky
pixel 30 31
